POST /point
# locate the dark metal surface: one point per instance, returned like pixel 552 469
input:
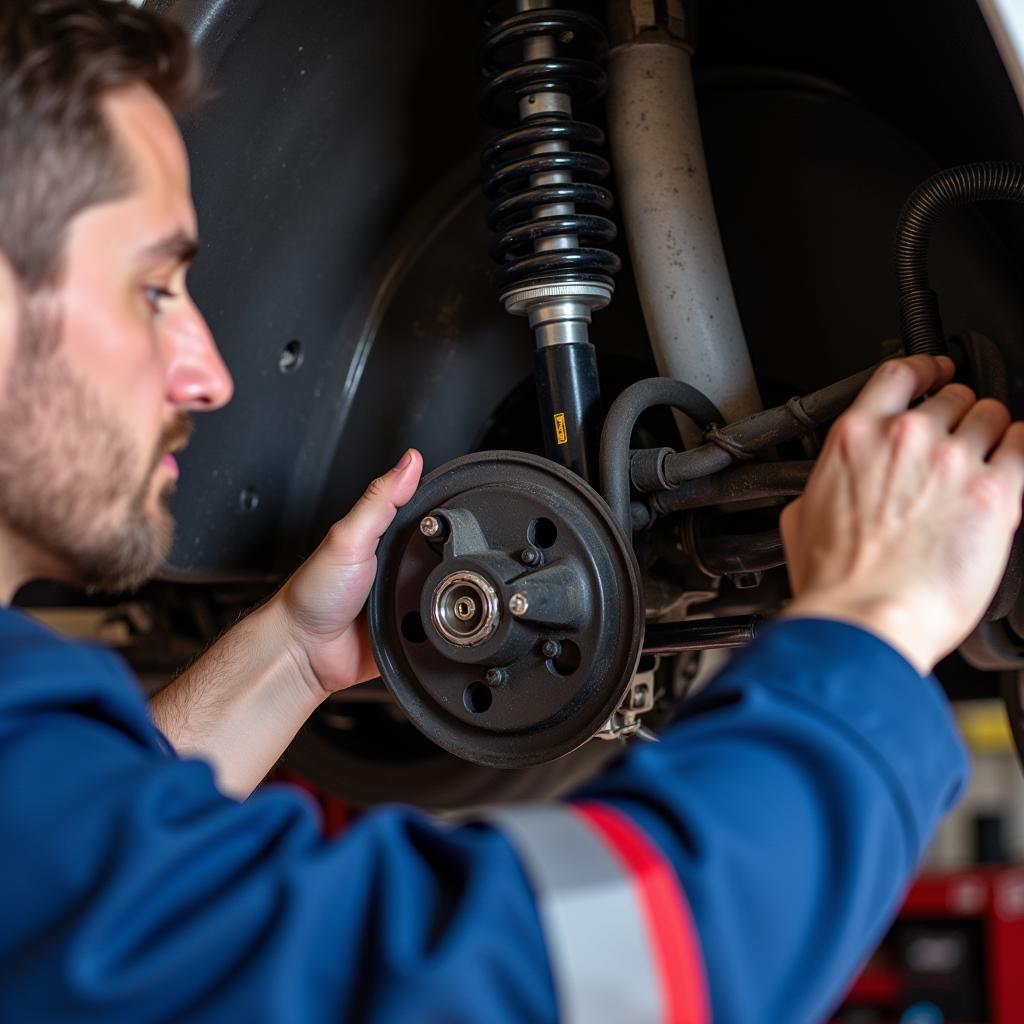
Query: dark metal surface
pixel 372 755
pixel 731 554
pixel 816 291
pixel 569 395
pixel 584 600
pixel 308 165
pixel 337 185
pixel 700 634
pixel 745 438
pixel 621 421
pixel 756 481
pixel 994 646
pixel 920 320
pixel 338 192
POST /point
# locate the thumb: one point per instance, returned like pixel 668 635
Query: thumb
pixel 789 529
pixel 353 540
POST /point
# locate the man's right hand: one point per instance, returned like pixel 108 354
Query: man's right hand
pixel 906 522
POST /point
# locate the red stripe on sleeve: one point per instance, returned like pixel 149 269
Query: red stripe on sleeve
pixel 679 963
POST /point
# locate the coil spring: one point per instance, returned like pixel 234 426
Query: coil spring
pixel 516 157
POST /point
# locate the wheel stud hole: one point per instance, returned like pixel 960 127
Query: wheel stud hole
pixel 477 698
pixel 412 628
pixel 567 661
pixel 248 499
pixel 542 532
pixel 291 357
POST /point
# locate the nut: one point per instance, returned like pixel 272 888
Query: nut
pixel 430 526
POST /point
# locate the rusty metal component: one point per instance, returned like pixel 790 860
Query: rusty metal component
pixel 755 481
pixel 669 215
pixel 754 433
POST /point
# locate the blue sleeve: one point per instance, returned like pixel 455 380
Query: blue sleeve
pixel 794 800
pixel 133 891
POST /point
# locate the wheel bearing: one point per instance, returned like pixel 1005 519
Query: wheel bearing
pixel 464 609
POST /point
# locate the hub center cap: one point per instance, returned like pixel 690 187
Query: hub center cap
pixel 464 609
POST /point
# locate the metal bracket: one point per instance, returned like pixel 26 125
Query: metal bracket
pixel 638 702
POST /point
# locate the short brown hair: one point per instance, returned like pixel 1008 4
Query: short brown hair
pixel 58 155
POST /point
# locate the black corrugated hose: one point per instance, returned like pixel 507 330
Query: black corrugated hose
pixel 920 323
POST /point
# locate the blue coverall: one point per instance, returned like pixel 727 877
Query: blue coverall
pixel 788 808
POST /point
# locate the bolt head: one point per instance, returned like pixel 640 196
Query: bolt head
pixel 430 526
pixel 529 556
pixel 494 676
pixel 551 649
pixel 518 605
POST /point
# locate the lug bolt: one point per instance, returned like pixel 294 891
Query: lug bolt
pixel 518 605
pixel 551 649
pixel 495 676
pixel 430 526
pixel 529 556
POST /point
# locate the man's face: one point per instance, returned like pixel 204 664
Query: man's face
pixel 103 374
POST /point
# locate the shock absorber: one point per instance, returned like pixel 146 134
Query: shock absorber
pixel 547 206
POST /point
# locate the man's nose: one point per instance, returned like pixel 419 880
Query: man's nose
pixel 197 379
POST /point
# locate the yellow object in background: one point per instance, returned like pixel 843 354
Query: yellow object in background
pixel 984 725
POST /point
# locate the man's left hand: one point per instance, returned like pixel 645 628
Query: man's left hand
pixel 321 604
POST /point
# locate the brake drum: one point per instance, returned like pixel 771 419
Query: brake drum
pixel 507 613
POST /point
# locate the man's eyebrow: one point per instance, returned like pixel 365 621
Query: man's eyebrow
pixel 179 247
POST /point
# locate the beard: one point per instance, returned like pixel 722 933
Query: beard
pixel 70 482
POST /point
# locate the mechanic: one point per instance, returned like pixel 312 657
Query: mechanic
pixel 741 869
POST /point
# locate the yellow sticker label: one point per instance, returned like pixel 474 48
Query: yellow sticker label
pixel 561 434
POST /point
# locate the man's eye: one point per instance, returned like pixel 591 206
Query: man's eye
pixel 156 296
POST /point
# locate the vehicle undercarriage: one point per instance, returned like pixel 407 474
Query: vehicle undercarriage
pixel 613 269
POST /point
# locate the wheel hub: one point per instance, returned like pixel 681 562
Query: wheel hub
pixel 506 618
pixel 464 609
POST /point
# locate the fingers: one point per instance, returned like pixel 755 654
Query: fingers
pixel 945 409
pixel 354 539
pixel 1008 458
pixel 896 383
pixel 983 426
